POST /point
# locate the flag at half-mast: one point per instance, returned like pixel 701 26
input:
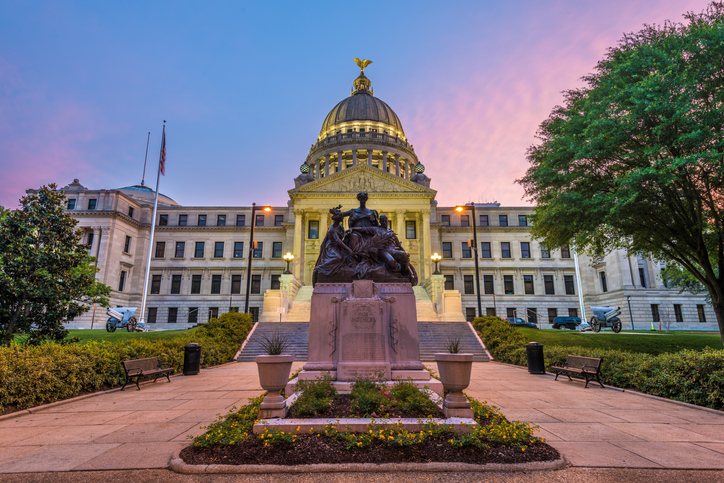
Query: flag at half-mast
pixel 163 152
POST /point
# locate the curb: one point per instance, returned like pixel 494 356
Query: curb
pixel 177 465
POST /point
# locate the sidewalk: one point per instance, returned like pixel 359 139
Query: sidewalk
pixel 141 429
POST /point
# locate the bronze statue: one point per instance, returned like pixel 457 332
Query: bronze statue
pixel 369 250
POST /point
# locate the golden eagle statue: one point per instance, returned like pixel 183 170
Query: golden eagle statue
pixel 362 63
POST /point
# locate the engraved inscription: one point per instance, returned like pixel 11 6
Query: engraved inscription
pixel 363 316
pixel 363 347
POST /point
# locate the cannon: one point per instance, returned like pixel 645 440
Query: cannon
pixel 121 318
pixel 606 317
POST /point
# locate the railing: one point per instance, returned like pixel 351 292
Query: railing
pixel 386 138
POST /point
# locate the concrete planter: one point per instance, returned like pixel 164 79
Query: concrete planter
pixel 454 370
pixel 273 376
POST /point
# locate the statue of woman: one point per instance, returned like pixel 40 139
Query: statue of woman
pixel 362 216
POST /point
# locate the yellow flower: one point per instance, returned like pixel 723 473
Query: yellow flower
pixel 298 428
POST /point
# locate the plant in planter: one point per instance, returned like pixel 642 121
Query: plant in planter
pixel 455 368
pixel 274 368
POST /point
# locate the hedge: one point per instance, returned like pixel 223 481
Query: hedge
pixel 35 375
pixel 695 377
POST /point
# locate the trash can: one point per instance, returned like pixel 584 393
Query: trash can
pixel 192 359
pixel 536 363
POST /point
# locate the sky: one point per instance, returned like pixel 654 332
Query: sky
pixel 245 86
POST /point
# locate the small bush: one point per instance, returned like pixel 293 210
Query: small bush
pixel 409 399
pixel 315 398
pixel 369 397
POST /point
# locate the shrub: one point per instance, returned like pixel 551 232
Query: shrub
pixel 409 399
pixel 315 398
pixel 369 397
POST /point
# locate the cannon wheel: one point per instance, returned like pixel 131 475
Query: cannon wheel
pixel 617 325
pixel 132 323
pixel 595 324
pixel 110 327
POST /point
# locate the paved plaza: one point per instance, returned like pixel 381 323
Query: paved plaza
pixel 133 429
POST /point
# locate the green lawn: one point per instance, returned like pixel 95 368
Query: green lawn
pixel 87 335
pixel 647 342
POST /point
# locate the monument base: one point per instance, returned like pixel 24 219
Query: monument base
pixel 345 387
pixel 351 371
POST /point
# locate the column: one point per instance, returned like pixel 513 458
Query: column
pixel 322 223
pixel 397 164
pixel 425 251
pixel 297 263
pixel 407 170
pixel 354 157
pixel 400 222
pixel 340 161
pixel 369 157
pixel 384 161
pixel 316 169
pixel 326 165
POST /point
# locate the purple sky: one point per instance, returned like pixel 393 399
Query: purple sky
pixel 245 86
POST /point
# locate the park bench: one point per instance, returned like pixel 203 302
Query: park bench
pixel 144 368
pixel 588 367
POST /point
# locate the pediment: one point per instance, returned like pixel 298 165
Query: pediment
pixel 362 178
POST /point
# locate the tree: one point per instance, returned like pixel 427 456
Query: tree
pixel 635 159
pixel 46 276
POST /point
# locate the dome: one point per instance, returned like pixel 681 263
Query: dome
pixel 362 106
pixel 146 194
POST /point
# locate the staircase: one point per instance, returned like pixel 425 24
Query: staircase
pixel 297 333
pixel 425 308
pixel 434 335
pixel 301 306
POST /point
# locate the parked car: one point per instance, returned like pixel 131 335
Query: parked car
pixel 572 323
pixel 517 321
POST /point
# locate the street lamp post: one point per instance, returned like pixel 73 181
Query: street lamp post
pixel 288 258
pixel 251 254
pixel 436 258
pixel 475 253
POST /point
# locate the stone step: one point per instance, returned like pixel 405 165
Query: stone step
pixel 297 335
pixel 301 305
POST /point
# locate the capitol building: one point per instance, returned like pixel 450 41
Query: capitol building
pixel 200 254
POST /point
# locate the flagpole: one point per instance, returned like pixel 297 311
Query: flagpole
pixel 161 157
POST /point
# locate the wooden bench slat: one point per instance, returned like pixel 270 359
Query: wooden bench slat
pixel 140 368
pixel 585 366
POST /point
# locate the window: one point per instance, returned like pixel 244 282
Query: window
pixel 505 249
pixel 700 311
pixel 254 311
pixel 464 220
pixel 548 283
pixel 313 233
pixel 221 220
pixel 446 249
pixel 218 249
pixel 278 220
pixel 193 315
pixel 484 220
pixel 503 220
pixel 236 284
pixel 604 285
pixel 655 316
pixel 71 204
pixel 490 311
pixel 565 252
pixel 488 286
pixel 216 284
pixel 573 312
pixel 183 220
pixel 238 249
pixel 176 284
pixel 444 218
pixel 256 284
pixel 127 245
pixel 532 315
pixel 156 284
pixel 410 230
pixel 544 252
pixel 213 313
pixel 199 250
pixel 468 285
pixel 240 220
pixel 677 313
pixel 259 220
pixel 522 220
pixel 524 249
pixel 122 281
pixel 196 284
pixel 90 239
pixel 449 282
pixel 642 276
pixel 552 314
pixel 172 315
pixel 508 285
pixel 180 246
pixel 92 204
pixel 528 284
pixel 510 312
pixel 568 282
pixel 152 311
pixel 202 220
pixel 160 249
pixel 258 249
pixel 469 314
pixel 485 250
pixel 276 249
pixel 162 220
pixel 467 252
pixel 130 212
pixel 275 285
